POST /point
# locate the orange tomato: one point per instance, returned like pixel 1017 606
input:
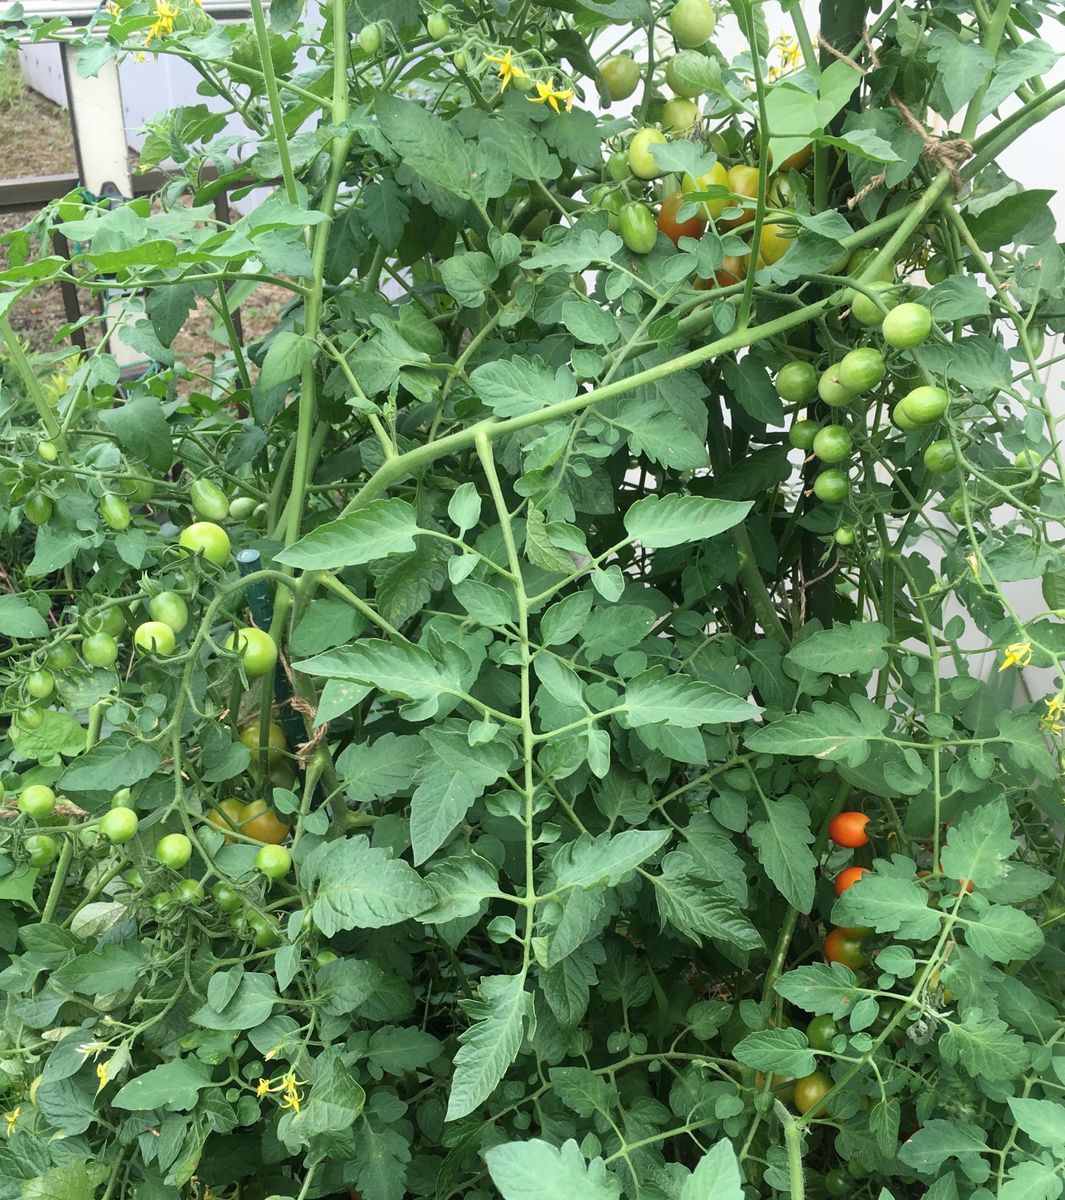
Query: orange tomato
pixel 675 229
pixel 849 878
pixel 263 824
pixel 848 829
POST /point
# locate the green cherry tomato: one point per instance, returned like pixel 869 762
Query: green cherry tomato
pixel 641 164
pixel 907 326
pixel 109 621
pixel 438 26
pixel 40 684
pixel 691 22
pixel 901 420
pixel 865 310
pixel 226 898
pixel 47 452
pixel 323 958
pixel 161 901
pixel 837 1182
pixel 208 500
pixel 924 405
pixel 257 648
pixel 36 801
pixel 61 657
pixel 688 73
pixel 862 369
pixel 140 489
pixel 41 849
pixel 811 1090
pixel 617 166
pixel 153 637
pixel 802 434
pixel 939 457
pixel 99 650
pixel 832 390
pixel 796 382
pixel 208 539
pixel 832 444
pixel 844 536
pixel 173 851
pixel 37 507
pixel 189 891
pixel 820 1032
pixel 119 825
pixel 30 718
pixel 370 38
pixel 621 76
pixel 1028 460
pixel 241 507
pixel 860 259
pixel 956 511
pixel 679 115
pixel 831 486
pixel 114 511
pixel 637 226
pixel 274 862
pixel 123 798
pixel 937 269
pixel 171 609
pixel 264 931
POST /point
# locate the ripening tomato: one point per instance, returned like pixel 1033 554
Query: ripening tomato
pixel 154 637
pixel 691 22
pixel 796 382
pixel 208 539
pixel 114 511
pixel 832 444
pixel 742 181
pixel 832 486
pixel 621 76
pixel 257 648
pixel 717 176
pixel 119 825
pixel 861 369
pixel 821 1031
pixel 99 650
pixel 802 433
pixel 848 878
pixel 276 741
pixel 924 405
pixel 811 1090
pixel 672 227
pixel 841 946
pixel 939 457
pixel 173 851
pixel 774 241
pixel 169 608
pixel 848 829
pixel 733 270
pixel 679 115
pixel 907 326
pixel 641 162
pixel 262 824
pixel 273 861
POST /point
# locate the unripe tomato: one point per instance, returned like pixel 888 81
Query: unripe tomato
pixel 323 958
pixel 774 241
pixel 845 946
pixel 820 1032
pixel 691 22
pixel 832 390
pixel 848 878
pixel 61 657
pixel 679 115
pixel 119 825
pixel 110 621
pixel 264 931
pixel 208 500
pixel 802 434
pixel 901 420
pixel 99 650
pixel 123 798
pixel 37 507
pixel 637 227
pixel 226 898
pixel 796 383
pixel 47 452
pixel 865 310
pixel 617 166
pixel 40 683
pixel 641 163
pixel 189 891
pixel 672 227
pixel 207 538
pixel 262 824
pixel 140 489
pixel 907 326
pixel 241 507
pixel 924 405
pixel 861 369
pixel 621 76
pixel 848 829
pixel 837 1182
pixel 832 444
pixel 41 850
pixel 370 38
pixel 36 801
pixel 811 1090
pixel 154 637
pixel 173 851
pixel 1028 460
pixel 939 457
pixel 832 487
pixel 257 648
pixel 30 718
pixel 860 259
pixel 171 609
pixel 114 511
pixel 742 181
pixel 717 176
pixel 684 71
pixel 438 26
pixel 273 861
pixel 276 741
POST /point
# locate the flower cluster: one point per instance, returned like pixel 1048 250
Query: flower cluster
pixel 547 93
pixel 288 1088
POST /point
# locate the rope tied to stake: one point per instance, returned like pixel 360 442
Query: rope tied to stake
pixel 945 154
pixel 310 714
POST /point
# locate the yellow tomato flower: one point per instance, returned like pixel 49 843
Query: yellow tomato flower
pixel 262 1088
pixel 549 94
pixel 101 1076
pixel 165 16
pixel 292 1097
pixel 1018 654
pixel 10 1119
pixel 508 70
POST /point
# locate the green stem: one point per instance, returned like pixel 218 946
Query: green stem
pixel 33 387
pixel 277 115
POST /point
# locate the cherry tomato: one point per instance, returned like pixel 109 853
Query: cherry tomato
pixel 636 224
pixel 924 405
pixel 226 898
pixel 939 457
pixel 161 901
pixel 621 76
pixel 277 743
pixel 110 621
pixel 41 849
pixel 207 538
pixel 119 825
pixel 189 891
pixel 1028 460
pixel 30 718
pixel 820 1032
pixel 438 26
pixel 257 648
pixel 173 851
pixel 37 507
pixel 641 162
pixel 114 511
pixel 732 270
pixel 241 507
pixel 717 176
pixel 865 310
pixel 679 115
pixel 323 958
pixel 140 490
pixel 262 824
pixel 691 22
pixel 832 486
pixel 832 390
pixel 899 418
pixel 61 657
pixel 153 637
pixel 796 382
pixel 837 1182
pixel 848 878
pixel 123 798
pixel 802 434
pixel 774 241
pixel 47 452
pixel 99 650
pixel 861 369
pixel 274 862
pixel 742 181
pixel 832 444
pixel 227 817
pixel 798 160
pixel 937 269
pixel 811 1090
pixel 171 609
pixel 907 326
pixel 208 500
pixel 848 829
pixel 686 73
pixel 860 259
pixel 370 38
pixel 264 931
pixel 675 229
pixel 40 684
pixel 36 801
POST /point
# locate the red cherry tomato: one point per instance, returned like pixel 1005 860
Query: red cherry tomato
pixel 849 878
pixel 848 829
pixel 841 946
pixel 675 229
